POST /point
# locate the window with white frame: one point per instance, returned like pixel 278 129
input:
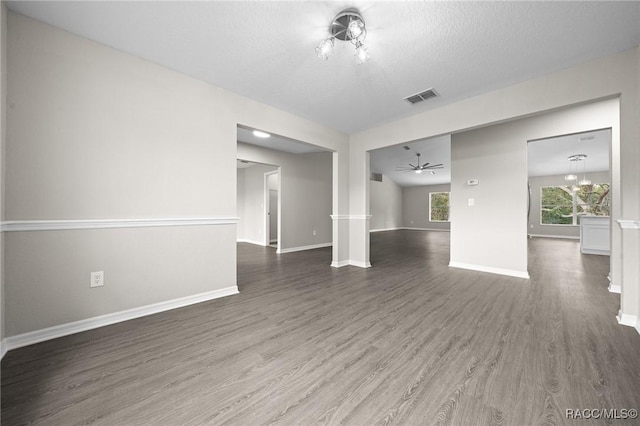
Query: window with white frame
pixel 439 206
pixel 562 205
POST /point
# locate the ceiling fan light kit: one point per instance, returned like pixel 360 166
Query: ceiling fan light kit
pixel 347 25
pixel 419 168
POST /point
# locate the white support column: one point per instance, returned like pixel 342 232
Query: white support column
pixel 340 216
pixel 630 291
pixel 359 218
pixel 359 227
pixel 340 256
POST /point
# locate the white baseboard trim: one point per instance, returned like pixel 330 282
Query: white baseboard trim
pixel 244 240
pixel 561 237
pixel 385 229
pixel 426 229
pixel 350 216
pixel 61 330
pixel 629 320
pixel 351 263
pixel 66 225
pixel 302 248
pixel 3 348
pixel 491 270
pixel 598 252
pixel 615 288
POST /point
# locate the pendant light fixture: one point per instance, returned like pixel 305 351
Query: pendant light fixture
pixel 584 180
pixel 571 177
pixel 347 25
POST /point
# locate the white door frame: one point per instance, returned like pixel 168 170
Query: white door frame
pixel 267 236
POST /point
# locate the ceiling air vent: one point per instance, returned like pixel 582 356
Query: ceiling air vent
pixel 422 96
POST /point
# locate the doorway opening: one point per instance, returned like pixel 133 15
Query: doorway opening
pixel 569 180
pixel 409 190
pixel 271 209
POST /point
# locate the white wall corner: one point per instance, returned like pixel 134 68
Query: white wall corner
pixel 33 337
pixel 491 270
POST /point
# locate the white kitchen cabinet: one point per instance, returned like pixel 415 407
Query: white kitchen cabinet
pixel 595 234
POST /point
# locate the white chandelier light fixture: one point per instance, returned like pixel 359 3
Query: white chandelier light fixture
pixel 584 180
pixel 571 177
pixel 572 159
pixel 347 25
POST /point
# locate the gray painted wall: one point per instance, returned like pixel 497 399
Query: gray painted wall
pixel 535 227
pixel 492 233
pixel 385 200
pixel 99 134
pixel 305 194
pixel 415 207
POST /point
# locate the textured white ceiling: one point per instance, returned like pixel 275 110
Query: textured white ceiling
pixel 265 50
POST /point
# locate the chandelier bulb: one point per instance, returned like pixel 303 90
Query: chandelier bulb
pixel 355 30
pixel 325 48
pixel 361 55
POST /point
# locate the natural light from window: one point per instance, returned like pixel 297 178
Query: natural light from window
pixel 439 206
pixel 562 205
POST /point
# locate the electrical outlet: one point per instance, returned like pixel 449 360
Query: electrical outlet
pixel 97 279
pixel 314 232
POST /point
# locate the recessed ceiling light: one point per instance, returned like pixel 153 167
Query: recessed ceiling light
pixel 260 134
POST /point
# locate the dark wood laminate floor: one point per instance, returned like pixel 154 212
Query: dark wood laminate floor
pixel 410 341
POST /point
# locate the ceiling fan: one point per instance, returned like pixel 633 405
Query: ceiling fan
pixel 418 168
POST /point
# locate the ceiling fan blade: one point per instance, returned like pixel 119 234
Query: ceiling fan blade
pixel 435 166
pixel 412 165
